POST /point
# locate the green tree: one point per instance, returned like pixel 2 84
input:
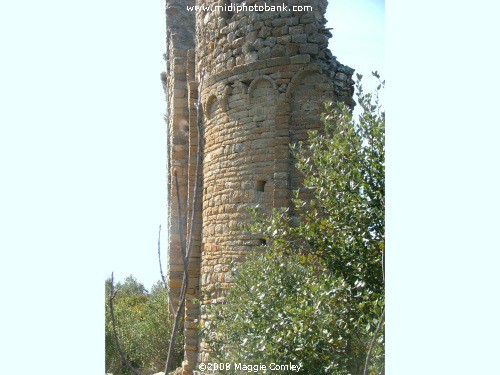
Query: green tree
pixel 287 309
pixel 316 296
pixel 131 287
pixel 143 324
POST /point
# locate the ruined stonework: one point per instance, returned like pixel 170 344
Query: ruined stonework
pixel 266 77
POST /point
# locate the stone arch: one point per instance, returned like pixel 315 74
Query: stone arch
pixel 299 76
pixel 242 88
pixel 211 106
pixel 235 97
pixel 265 84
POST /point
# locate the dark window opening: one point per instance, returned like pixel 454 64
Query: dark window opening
pixel 262 242
pixel 259 185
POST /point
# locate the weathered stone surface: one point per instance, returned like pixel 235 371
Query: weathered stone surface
pixel 310 48
pixel 299 38
pixel 300 59
pixel 264 53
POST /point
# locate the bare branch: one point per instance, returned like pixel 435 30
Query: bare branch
pixel 199 124
pixel 179 218
pixel 372 344
pixel 182 294
pixel 165 285
pixel 186 253
pixel 112 295
pixel 189 238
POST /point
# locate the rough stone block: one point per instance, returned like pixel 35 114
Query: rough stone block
pixel 278 61
pixel 251 57
pixel 294 30
pixel 284 39
pixel 318 39
pixel 292 49
pixel 251 37
pixel 312 29
pixel 299 38
pixel 278 31
pixel 300 59
pixel 307 18
pixel 278 51
pixel 264 53
pixel 240 60
pixel 309 48
pixel 279 22
pixel 265 32
pixel 238 43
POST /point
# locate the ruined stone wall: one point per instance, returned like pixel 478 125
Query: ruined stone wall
pixel 267 75
pixel 181 90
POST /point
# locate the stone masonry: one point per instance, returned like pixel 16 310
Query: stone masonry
pixel 266 77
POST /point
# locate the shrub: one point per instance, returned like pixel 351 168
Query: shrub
pixel 143 326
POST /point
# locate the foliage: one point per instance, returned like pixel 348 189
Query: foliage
pixel 143 326
pixel 294 311
pixel 316 296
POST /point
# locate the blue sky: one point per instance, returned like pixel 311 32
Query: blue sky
pixel 358 34
pixel 82 154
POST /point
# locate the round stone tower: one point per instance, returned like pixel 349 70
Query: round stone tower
pixel 267 72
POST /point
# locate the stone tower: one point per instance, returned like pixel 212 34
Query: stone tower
pixel 266 76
